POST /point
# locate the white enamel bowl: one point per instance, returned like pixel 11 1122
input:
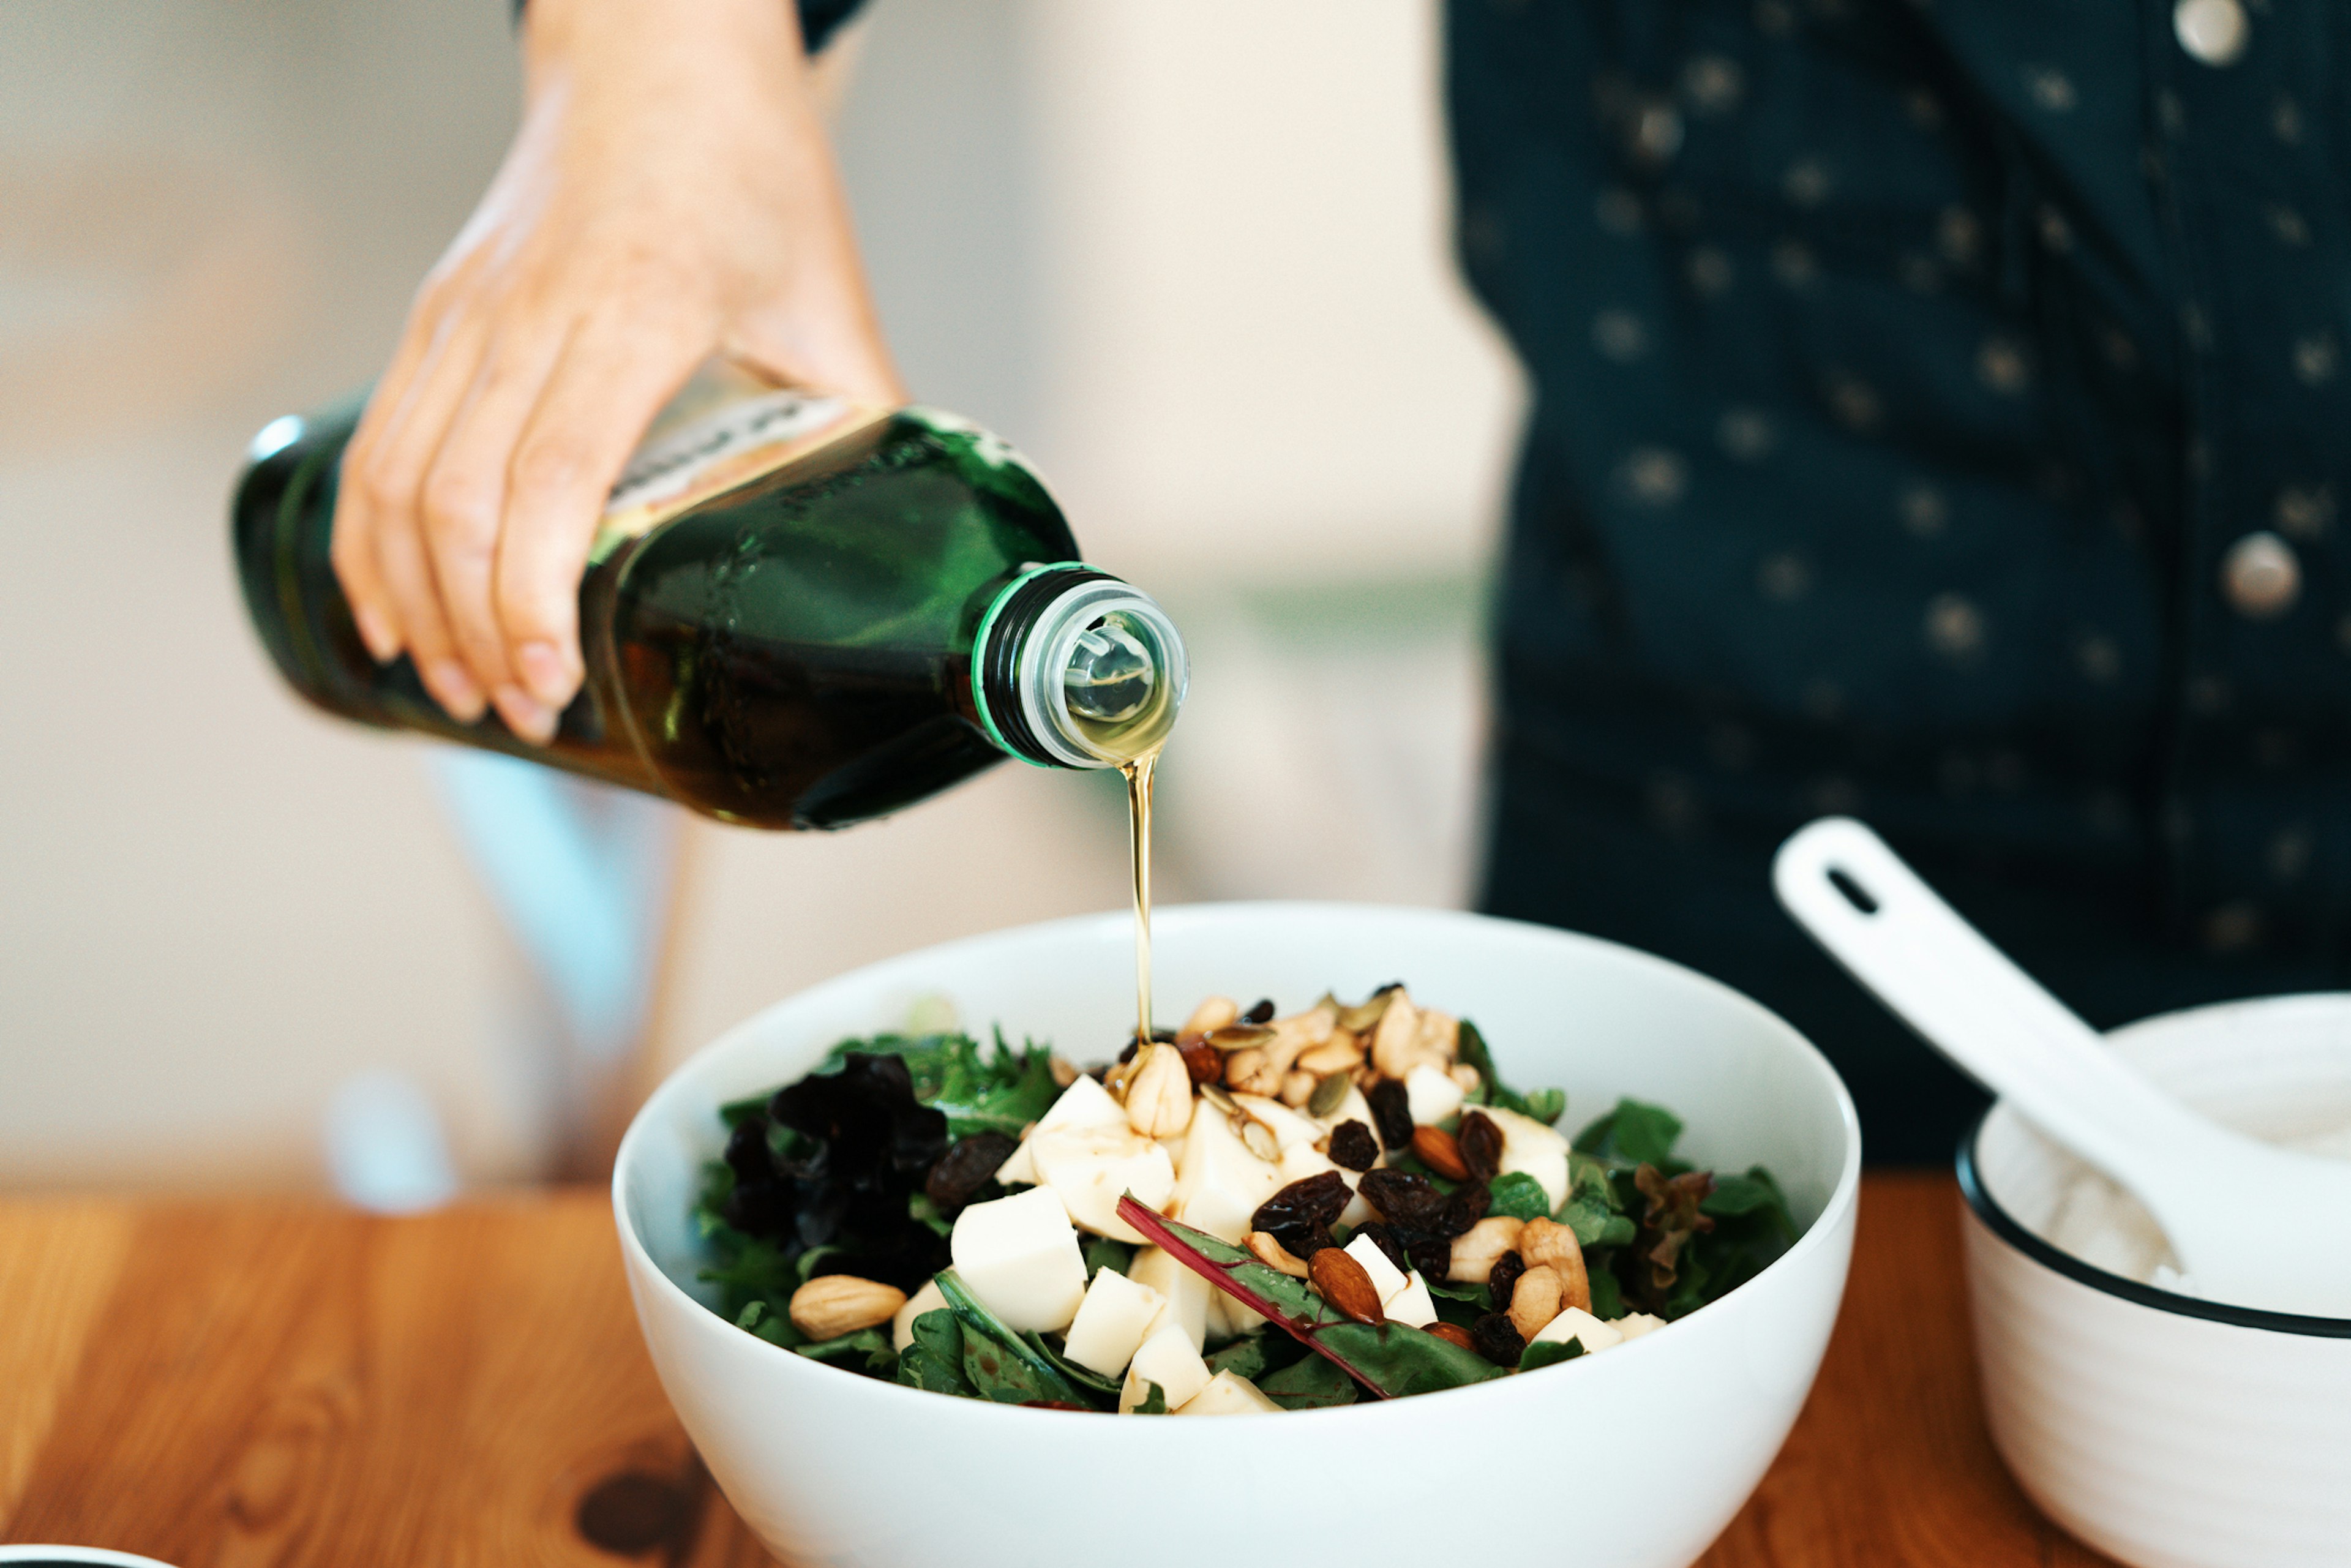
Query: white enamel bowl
pixel 2166 1431
pixel 829 1468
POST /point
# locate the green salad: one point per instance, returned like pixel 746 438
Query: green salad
pixel 1252 1213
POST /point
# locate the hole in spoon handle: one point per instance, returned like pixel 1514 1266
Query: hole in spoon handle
pixel 1860 897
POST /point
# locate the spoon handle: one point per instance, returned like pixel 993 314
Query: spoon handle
pixel 1938 974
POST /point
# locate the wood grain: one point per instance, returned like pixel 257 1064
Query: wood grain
pixel 228 1384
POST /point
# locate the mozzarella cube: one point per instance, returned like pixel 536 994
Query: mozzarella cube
pixel 1431 1093
pixel 1302 1160
pixel 1218 1182
pixel 1184 1295
pixel 1168 1359
pixel 1084 1103
pixel 1413 1306
pixel 1228 1319
pixel 1528 1146
pixel 1019 1256
pixel 1111 1322
pixel 902 1327
pixel 1092 1168
pixel 1577 1323
pixel 1229 1393
pixel 1632 1325
pixel 1387 1279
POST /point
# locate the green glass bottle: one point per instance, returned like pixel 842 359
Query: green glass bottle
pixel 796 614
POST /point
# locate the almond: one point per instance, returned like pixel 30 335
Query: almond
pixel 1343 1286
pixel 1452 1334
pixel 1274 1255
pixel 1203 1062
pixel 1547 1245
pixel 831 1305
pixel 1435 1148
pixel 1535 1301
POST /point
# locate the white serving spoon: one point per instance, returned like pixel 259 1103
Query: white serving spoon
pixel 2254 1225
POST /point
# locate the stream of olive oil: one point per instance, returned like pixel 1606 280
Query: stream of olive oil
pixel 1138 831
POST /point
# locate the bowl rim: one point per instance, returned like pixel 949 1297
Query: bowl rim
pixel 2010 1229
pixel 1843 1196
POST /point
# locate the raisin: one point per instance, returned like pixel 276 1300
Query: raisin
pixel 1430 1253
pixel 1503 1278
pixel 1261 1013
pixel 1493 1337
pixel 1300 1215
pixel 966 1167
pixel 1386 1240
pixel 1391 1112
pixel 1465 1208
pixel 1403 1197
pixel 1480 1143
pixel 1204 1061
pixel 1353 1145
pixel 1131 1047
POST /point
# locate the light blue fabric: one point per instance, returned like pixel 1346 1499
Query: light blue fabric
pixel 579 874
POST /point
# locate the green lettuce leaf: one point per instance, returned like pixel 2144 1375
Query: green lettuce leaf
pixel 1311 1383
pixel 997 1360
pixel 1634 1134
pixel 1545 1105
pixel 935 1361
pixel 873 1344
pixel 1519 1196
pixel 1549 1353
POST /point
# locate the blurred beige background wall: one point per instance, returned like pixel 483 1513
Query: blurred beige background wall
pixel 1192 259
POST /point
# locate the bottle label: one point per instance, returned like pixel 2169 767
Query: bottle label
pixel 724 428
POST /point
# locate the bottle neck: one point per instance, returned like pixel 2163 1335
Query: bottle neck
pixel 1073 668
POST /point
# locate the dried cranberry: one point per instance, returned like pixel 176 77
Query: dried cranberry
pixel 1353 1145
pixel 1385 1240
pixel 1465 1208
pixel 1391 1112
pixel 1261 1013
pixel 1480 1143
pixel 966 1167
pixel 1300 1215
pixel 1404 1198
pixel 1497 1340
pixel 1503 1279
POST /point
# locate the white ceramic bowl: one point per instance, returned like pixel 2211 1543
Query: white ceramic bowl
pixel 2164 1430
pixel 829 1468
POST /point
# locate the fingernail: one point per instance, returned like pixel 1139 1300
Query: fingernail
pixel 544 672
pixel 456 689
pixel 524 715
pixel 382 646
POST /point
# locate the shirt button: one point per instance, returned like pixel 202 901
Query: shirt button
pixel 2214 31
pixel 2261 577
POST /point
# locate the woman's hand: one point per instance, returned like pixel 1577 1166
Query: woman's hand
pixel 670 195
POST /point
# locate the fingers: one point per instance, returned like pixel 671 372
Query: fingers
pixel 378 525
pixel 611 379
pixel 463 500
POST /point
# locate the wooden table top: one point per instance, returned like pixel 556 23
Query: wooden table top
pixel 226 1384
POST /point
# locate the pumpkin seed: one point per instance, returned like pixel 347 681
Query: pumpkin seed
pixel 1329 1094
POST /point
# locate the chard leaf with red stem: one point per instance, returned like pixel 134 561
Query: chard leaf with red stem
pixel 1390 1361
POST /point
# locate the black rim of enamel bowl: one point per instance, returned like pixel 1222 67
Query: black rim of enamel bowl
pixel 2005 1225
